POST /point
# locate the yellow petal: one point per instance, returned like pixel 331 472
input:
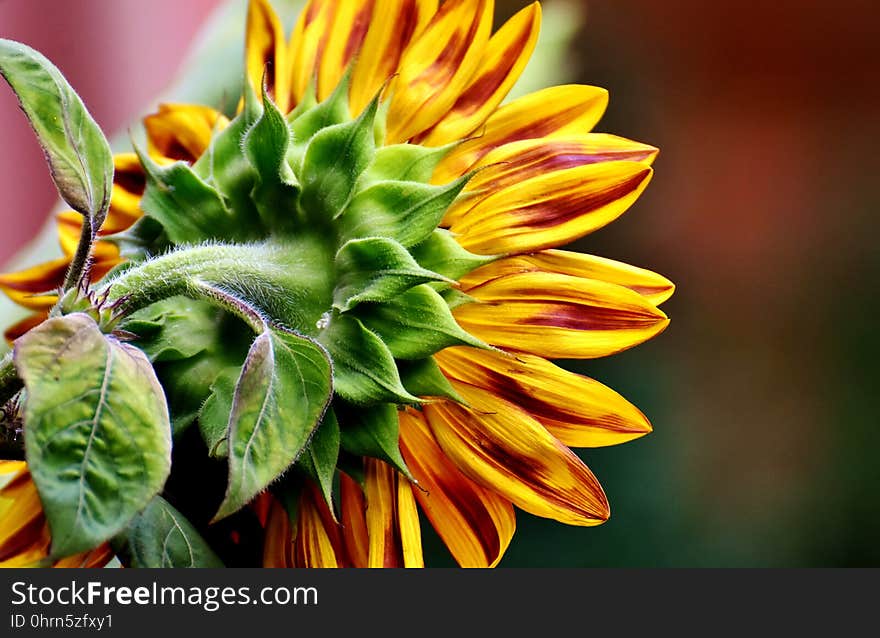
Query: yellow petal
pixel 577 410
pixel 17 329
pixel 317 542
pixel 266 54
pixel 653 287
pixel 437 66
pixel 559 316
pixel 307 43
pixel 503 61
pixel 182 131
pixel 69 229
pixel 352 508
pixel 129 183
pixel 278 538
pixel 504 449
pixel 555 112
pixel 26 287
pixel 385 548
pixel 475 524
pixel 410 529
pixel 350 24
pixel 551 210
pixel 386 39
pixel 22 536
pixel 94 558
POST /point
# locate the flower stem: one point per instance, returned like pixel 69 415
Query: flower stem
pixel 80 263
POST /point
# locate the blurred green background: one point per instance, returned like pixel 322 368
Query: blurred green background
pixel 763 211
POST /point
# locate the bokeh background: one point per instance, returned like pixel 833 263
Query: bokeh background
pixel 763 211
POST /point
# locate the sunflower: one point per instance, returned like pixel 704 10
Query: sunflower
pixel 484 420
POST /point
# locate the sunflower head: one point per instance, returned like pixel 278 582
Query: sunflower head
pixel 343 302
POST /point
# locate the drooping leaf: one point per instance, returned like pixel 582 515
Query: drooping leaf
pixel 415 324
pixel 363 368
pixel 320 457
pixel 440 253
pixel 284 389
pixel 99 439
pixel 333 160
pixel 375 269
pixel 160 536
pixel 373 431
pixel 404 211
pixel 78 153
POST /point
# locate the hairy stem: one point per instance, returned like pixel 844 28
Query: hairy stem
pixel 80 263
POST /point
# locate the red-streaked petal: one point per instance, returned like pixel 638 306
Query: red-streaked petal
pixel 17 329
pixel 23 537
pixel 555 112
pixel 278 537
pixel 182 131
pixel 307 42
pixel 504 449
pixel 551 210
pixel 318 541
pixel 266 53
pixel 436 67
pixel 503 61
pixel 653 287
pixel 69 229
pixel 559 316
pixel 384 528
pixel 577 410
pixel 354 523
pixel 475 524
pixel 383 46
pixel 350 24
pixel 45 277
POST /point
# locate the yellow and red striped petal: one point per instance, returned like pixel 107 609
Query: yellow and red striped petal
pixel 516 162
pixel 182 131
pixel 278 537
pixel 28 287
pixel 475 523
pixel 437 66
pixel 129 183
pixel 383 46
pixel 559 316
pixel 350 24
pixel 392 523
pixel 24 537
pixel 69 229
pixel 17 329
pixel 551 210
pixel 307 42
pixel 577 410
pixel 653 287
pixel 266 53
pixel 92 559
pixel 352 508
pixel 559 111
pixel 503 61
pixel 318 541
pixel 504 449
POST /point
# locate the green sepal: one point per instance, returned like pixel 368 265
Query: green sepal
pixel 415 324
pixel 404 211
pixel 189 209
pixel 173 329
pixel 353 466
pixel 284 388
pixel 160 536
pixel 455 298
pixel 98 442
pixel 373 431
pixel 265 146
pixel 318 461
pixel 310 117
pixel 214 413
pixel 364 372
pixel 423 378
pixel 376 269
pixel 288 490
pixel 441 253
pixel 334 159
pixel 404 162
pixel 78 154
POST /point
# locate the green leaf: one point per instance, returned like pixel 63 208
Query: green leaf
pixel 215 411
pixel 334 159
pixel 440 253
pixel 78 153
pixel 375 269
pixel 189 209
pixel 416 324
pixel 404 162
pixel 284 389
pixel 160 536
pixel 174 328
pixel 423 378
pixel 405 211
pixel 98 435
pixel 363 368
pixel 319 459
pixel 373 431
